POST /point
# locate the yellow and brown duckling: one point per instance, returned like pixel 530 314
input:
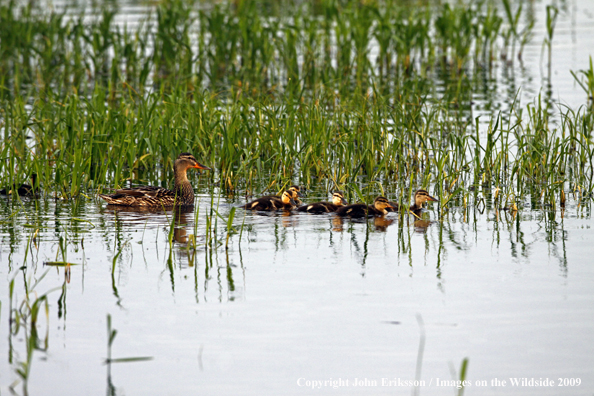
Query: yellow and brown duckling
pixel 361 210
pixel 181 195
pixel 24 190
pixel 325 207
pixel 421 196
pixel 272 202
pixel 295 194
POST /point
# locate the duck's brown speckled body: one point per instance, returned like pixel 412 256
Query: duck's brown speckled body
pixel 421 196
pixel 181 195
pixel 325 207
pixel 272 203
pixel 361 210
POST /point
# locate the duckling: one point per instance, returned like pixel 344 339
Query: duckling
pixel 23 189
pixel 296 193
pixel 293 190
pixel 361 210
pixel 325 207
pixel 271 203
pixel 421 196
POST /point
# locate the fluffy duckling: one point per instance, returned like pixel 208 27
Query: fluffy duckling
pixel 361 210
pixel 22 190
pixel 325 207
pixel 421 196
pixel 295 194
pixel 272 203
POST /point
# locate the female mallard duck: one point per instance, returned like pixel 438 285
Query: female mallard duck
pixel 421 196
pixel 325 207
pixel 22 190
pixel 361 210
pixel 272 202
pixel 181 195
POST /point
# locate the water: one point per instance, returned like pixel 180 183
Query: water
pixel 305 298
pixel 306 304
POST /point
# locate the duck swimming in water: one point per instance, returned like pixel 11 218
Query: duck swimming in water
pixel 181 195
pixel 361 210
pixel 325 207
pixel 272 203
pixel 24 190
pixel 296 193
pixel 421 196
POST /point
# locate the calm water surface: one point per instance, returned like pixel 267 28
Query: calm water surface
pixel 304 298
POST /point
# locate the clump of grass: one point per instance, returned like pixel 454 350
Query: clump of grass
pixel 267 94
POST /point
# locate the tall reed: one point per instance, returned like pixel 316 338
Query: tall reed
pixel 267 94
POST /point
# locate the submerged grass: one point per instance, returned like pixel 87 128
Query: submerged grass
pixel 267 94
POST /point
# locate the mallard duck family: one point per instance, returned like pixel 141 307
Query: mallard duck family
pixel 183 195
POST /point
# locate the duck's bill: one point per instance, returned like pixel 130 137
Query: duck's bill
pixel 200 166
pixel 293 202
pixel 430 198
pixel 344 201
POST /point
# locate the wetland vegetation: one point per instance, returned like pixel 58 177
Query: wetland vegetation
pixel 345 93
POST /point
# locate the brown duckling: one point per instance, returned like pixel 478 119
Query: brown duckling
pixel 296 193
pixel 325 207
pixel 181 195
pixel 361 210
pixel 421 196
pixel 271 203
pixel 22 190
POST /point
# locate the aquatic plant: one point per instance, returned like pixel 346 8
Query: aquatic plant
pixel 587 83
pixel 269 94
pixel 24 318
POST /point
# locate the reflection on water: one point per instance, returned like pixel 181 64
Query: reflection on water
pixel 421 225
pixel 381 223
pixel 176 287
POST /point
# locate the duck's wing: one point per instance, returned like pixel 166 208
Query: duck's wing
pixel 264 203
pixel 318 207
pixel 145 191
pixel 354 210
pixel 141 196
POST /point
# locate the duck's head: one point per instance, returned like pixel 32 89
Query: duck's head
pixel 381 203
pixel 295 192
pixel 287 198
pixel 422 196
pixel 338 199
pixel 186 161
